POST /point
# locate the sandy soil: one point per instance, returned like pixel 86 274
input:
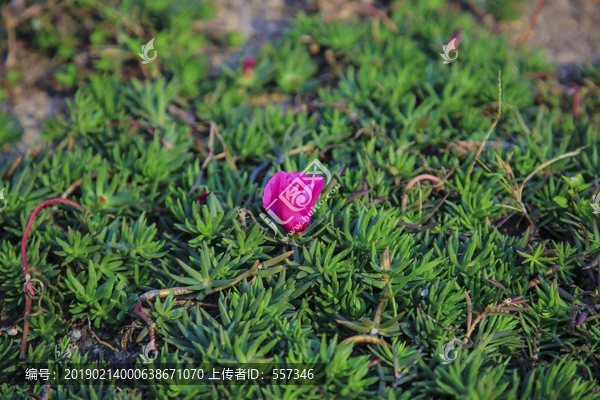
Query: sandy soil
pixel 569 30
pixel 259 21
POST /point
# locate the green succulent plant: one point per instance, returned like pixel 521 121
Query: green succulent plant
pixel 452 213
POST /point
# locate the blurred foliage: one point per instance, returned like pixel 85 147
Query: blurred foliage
pixel 11 130
pixel 504 9
pixel 378 260
pixel 87 37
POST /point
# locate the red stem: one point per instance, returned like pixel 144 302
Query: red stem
pixel 30 225
pixel 136 124
pixel 138 311
pixel 532 22
pixel 25 324
pixel 30 290
pixel 372 10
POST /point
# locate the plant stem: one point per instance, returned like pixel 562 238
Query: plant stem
pixel 532 22
pixel 411 184
pixel 178 291
pixel 28 288
pixel 365 338
pixel 151 324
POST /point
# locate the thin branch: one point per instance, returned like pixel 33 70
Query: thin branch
pixel 28 288
pixel 75 185
pixel 364 339
pixel 469 311
pixel 493 125
pixel 437 206
pixel 242 213
pixel 136 124
pixel 356 195
pixel 493 311
pixel 411 183
pixel 230 160
pixel 519 192
pixel 178 291
pixel 211 146
pixel 532 23
pixel 96 336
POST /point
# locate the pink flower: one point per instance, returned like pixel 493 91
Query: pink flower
pixel 576 100
pixel 202 197
pixel 290 197
pixel 456 35
pixel 248 66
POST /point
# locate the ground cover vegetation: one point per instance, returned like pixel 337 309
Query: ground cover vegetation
pixel 463 213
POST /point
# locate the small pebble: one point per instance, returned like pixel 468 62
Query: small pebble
pixel 75 334
pixel 12 331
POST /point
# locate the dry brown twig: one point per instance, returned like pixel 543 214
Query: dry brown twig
pixel 357 195
pixel 438 205
pixel 426 166
pixel 340 106
pixel 243 212
pixel 214 130
pixel 438 182
pixel 128 334
pixel 364 339
pixel 518 193
pixel 516 190
pixel 75 185
pixel 493 125
pixel 230 160
pixel 179 291
pixel 532 22
pixel 14 165
pixel 11 22
pixel 211 147
pixel 371 132
pixel 476 9
pixel 506 305
pixel 97 338
pixel 135 125
pixel 337 11
pixel 189 119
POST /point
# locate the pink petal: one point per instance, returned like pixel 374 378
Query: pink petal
pixel 290 198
